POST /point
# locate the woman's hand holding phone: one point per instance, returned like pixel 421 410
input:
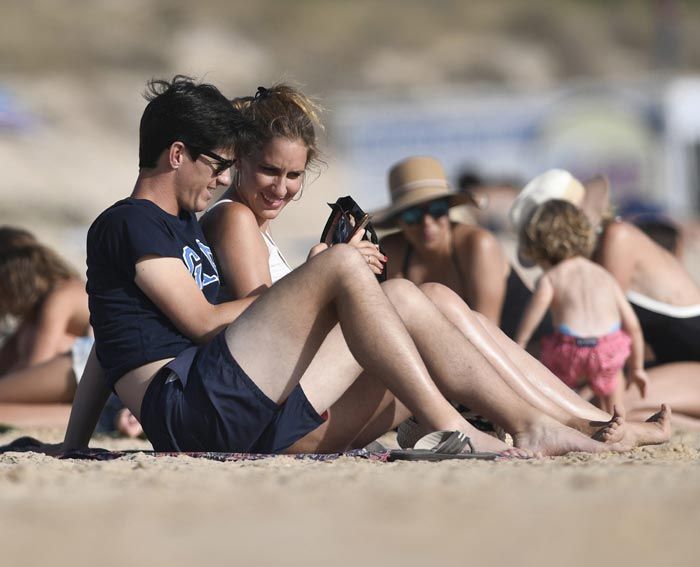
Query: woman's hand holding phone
pixel 375 259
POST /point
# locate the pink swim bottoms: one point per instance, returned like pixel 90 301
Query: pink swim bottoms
pixel 596 360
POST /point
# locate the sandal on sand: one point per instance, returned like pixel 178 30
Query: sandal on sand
pixel 440 446
pixel 408 433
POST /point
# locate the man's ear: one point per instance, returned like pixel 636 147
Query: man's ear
pixel 176 154
pixel 596 200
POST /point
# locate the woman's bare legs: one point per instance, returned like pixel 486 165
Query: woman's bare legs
pixel 525 374
pixel 278 336
pixel 364 412
pixel 536 384
pixel 365 406
pixel 677 384
pixel 51 381
pixel 465 375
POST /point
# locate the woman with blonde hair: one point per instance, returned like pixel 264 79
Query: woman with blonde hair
pixel 271 163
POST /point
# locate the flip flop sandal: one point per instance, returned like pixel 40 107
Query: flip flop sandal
pixel 408 433
pixel 441 446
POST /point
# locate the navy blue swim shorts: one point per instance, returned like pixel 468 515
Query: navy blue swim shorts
pixel 204 401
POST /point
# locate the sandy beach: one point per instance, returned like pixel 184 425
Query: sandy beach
pixel 73 77
pixel 639 508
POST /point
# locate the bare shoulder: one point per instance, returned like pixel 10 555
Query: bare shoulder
pixel 67 295
pixel 475 238
pixel 73 287
pixel 622 234
pixel 476 245
pixel 226 217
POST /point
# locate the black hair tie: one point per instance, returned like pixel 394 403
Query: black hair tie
pixel 261 93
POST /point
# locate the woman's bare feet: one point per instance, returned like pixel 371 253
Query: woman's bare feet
pixel 488 443
pixel 481 441
pixel 655 430
pixel 550 438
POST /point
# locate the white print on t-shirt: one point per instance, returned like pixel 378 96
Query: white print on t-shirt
pixel 193 262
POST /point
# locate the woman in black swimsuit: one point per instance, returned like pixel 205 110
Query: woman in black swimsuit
pixel 430 248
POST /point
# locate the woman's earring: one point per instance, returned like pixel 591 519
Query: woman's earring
pixel 301 192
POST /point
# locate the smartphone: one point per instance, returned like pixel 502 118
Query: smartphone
pixel 360 226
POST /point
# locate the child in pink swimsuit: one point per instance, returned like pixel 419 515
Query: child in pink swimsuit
pixel 597 329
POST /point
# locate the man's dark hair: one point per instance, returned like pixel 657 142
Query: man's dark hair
pixel 196 114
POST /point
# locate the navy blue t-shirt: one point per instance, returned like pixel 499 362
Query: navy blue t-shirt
pixel 130 330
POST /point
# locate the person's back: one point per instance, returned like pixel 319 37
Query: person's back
pixel 584 297
pixel 642 266
pixel 596 329
pixel 664 296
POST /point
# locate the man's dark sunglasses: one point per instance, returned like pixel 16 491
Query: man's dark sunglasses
pixel 436 209
pixel 221 165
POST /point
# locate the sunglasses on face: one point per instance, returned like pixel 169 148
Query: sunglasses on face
pixel 220 164
pixel 435 209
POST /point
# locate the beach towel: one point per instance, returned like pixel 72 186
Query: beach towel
pixel 443 449
pixel 27 444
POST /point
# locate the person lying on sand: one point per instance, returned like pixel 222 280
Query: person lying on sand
pixel 42 361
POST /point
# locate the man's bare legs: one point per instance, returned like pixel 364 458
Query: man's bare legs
pixel 278 336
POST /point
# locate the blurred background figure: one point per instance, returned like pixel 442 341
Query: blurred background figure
pixel 495 195
pixel 429 247
pixel 43 301
pixel 654 221
pixel 46 336
pixel 597 331
pixel 664 297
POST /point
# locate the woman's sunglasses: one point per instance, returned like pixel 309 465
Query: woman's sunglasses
pixel 435 209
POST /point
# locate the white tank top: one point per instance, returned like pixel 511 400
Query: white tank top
pixel 277 264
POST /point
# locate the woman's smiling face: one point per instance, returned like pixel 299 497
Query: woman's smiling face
pixel 271 177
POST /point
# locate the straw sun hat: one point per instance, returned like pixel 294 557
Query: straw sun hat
pixel 414 181
pixel 592 197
